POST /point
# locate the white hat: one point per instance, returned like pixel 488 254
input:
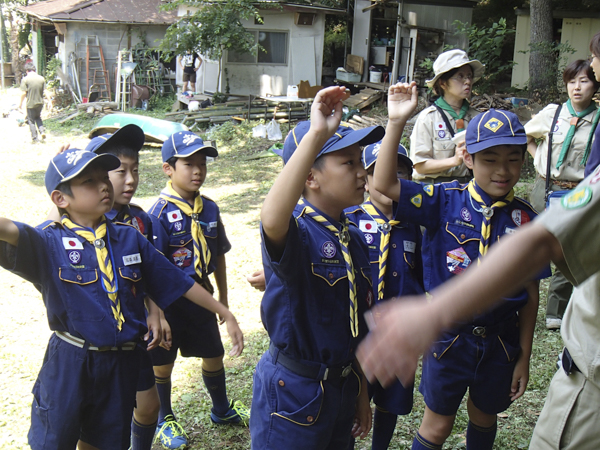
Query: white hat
pixel 452 59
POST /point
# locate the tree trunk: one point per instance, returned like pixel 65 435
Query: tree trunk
pixel 17 63
pixel 542 59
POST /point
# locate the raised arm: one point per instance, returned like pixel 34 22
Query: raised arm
pixel 402 101
pixel 9 231
pixel 282 198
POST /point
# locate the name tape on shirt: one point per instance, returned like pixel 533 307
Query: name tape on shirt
pixel 72 243
pixel 128 260
pixel 410 246
pixel 368 226
pixel 175 216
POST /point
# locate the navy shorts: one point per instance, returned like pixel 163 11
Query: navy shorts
pixel 146 378
pixel 293 412
pixel 395 399
pixel 81 394
pixel 195 332
pixel 484 365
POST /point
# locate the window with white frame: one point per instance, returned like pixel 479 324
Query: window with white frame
pixel 274 42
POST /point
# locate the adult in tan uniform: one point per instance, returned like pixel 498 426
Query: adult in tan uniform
pixel 436 157
pixel 33 86
pixel 572 136
pixel 566 234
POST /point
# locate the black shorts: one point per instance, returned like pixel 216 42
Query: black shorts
pixel 146 377
pixel 191 77
pixel 195 332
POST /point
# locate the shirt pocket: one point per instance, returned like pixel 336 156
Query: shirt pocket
pixel 131 290
pixel 461 240
pixel 329 281
pixel 82 300
pixel 210 230
pixel 181 251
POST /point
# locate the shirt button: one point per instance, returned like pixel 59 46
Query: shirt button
pixel 435 355
pixel 462 236
pixel 393 245
pixel 310 419
pixel 281 383
pixel 79 277
pixel 182 241
pixel 395 274
pixel 330 275
pixel 134 275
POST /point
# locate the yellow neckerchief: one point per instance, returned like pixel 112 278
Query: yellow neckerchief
pixel 385 228
pixel 201 250
pixel 344 238
pixel 108 279
pixel 487 212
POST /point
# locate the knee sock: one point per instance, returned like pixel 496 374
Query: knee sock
pixel 142 435
pixel 163 386
pixel 215 383
pixel 384 424
pixel 420 443
pixel 481 438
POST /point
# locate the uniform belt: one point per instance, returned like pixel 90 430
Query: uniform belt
pixel 316 371
pixel 78 342
pixel 568 364
pixel 563 184
pixel 488 330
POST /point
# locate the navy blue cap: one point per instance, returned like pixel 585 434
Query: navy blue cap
pixel 344 137
pixel 371 152
pixel 67 165
pixel 130 136
pixel 185 143
pixel 494 127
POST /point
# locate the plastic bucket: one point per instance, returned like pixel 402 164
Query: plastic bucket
pixel 374 77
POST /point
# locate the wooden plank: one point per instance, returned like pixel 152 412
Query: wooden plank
pixel 355 64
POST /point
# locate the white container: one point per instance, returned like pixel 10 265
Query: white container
pixel 350 77
pixel 374 77
pixel 292 91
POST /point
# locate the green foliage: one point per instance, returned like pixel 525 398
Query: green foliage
pixel 485 45
pixel 210 28
pixel 50 72
pixel 335 40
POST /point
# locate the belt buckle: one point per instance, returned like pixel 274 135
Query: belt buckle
pixel 479 331
pixel 346 370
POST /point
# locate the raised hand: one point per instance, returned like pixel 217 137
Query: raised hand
pixel 402 101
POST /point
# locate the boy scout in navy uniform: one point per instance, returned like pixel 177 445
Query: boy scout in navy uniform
pixel 93 276
pixel 307 385
pixel 125 144
pixel 397 270
pixel 189 231
pixel 461 222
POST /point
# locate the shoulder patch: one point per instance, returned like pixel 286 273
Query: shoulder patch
pixel 417 200
pixel 428 188
pixel 158 207
pixel 577 198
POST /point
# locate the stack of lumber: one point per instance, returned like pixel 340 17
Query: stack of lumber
pixel 485 102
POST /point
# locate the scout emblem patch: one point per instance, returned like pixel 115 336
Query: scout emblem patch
pixel 465 214
pixel 494 124
pixel 457 260
pixel 519 217
pixel 369 238
pixel 328 249
pixel 428 188
pixel 74 256
pixel 417 200
pixel 578 198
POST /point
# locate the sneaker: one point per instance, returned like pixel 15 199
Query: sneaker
pixel 237 413
pixel 43 135
pixel 553 324
pixel 171 434
pixel 35 141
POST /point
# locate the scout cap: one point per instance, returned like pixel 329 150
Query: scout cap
pixel 453 59
pixel 130 136
pixel 371 152
pixel 185 143
pixel 343 137
pixel 67 165
pixel 494 127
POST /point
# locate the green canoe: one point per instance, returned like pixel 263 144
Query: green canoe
pixel 156 130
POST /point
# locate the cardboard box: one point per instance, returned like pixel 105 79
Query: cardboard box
pixel 305 90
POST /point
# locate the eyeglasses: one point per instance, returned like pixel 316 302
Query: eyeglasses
pixel 462 78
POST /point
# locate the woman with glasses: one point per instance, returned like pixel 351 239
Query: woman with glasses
pixel 560 139
pixel 433 150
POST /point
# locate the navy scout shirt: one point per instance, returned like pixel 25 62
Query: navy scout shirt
pixel 404 270
pixel 306 306
pixel 453 230
pixel 135 216
pixel 64 268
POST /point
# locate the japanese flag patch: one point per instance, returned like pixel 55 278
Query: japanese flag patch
pixel 175 216
pixel 72 243
pixel 368 226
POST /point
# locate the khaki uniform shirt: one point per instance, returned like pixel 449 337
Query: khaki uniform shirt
pixel 430 139
pixel 574 222
pixel 34 85
pixel 539 127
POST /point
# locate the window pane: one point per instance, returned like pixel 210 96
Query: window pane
pixel 233 56
pixel 275 45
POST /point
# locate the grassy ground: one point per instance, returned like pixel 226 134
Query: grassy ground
pixel 238 185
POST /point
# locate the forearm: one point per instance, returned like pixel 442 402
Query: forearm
pixel 518 258
pixel 221 279
pixel 531 146
pixel 9 232
pixel 23 97
pixel 153 309
pixel 433 166
pixel 385 177
pixel 201 297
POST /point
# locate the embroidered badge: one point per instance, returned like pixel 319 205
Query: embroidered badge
pixel 137 223
pixel 72 243
pixel 410 246
pixel 440 126
pixel 578 198
pixel 596 176
pixel 211 225
pixel 520 217
pixel 74 257
pixel 328 249
pixel 178 226
pixel 190 138
pixel 457 260
pixel 182 257
pixel 375 151
pixel 428 188
pixel 417 200
pixel 465 214
pixel 493 124
pixel 441 134
pixel 75 156
pixel 369 238
pixel 367 226
pixel 556 127
pixel 128 260
pixel 174 216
